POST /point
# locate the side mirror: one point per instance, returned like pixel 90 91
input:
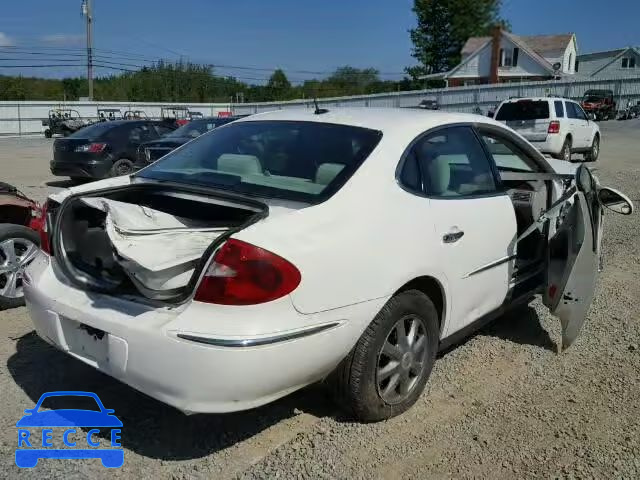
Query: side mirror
pixel 592 116
pixel 615 201
pixel 584 180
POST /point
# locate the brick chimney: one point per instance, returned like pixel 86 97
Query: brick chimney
pixel 496 34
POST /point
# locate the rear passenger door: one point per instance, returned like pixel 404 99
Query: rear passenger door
pixel 473 221
pixel 578 124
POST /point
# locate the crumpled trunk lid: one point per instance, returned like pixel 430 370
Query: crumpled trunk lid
pixel 146 240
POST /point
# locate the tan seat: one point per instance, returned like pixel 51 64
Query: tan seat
pixel 237 164
pixel 327 172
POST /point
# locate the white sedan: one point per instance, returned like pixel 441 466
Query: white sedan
pixel 295 246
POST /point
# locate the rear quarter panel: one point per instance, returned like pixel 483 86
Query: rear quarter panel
pixel 363 243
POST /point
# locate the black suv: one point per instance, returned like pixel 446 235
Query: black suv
pixel 104 149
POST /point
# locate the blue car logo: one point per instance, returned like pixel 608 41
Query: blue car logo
pixel 28 452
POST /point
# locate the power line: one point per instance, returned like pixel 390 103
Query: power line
pixel 135 56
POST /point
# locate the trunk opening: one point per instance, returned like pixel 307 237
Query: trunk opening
pixel 149 241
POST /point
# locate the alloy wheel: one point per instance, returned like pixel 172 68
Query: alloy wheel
pixel 15 255
pixel 401 360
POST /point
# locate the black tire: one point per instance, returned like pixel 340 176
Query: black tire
pixel 565 153
pixel 592 155
pixel 47 133
pixel 10 231
pixel 124 166
pixel 355 380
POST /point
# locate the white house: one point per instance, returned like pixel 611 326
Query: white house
pixel 622 62
pixel 505 57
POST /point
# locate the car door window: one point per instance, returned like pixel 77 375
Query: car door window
pixel 571 110
pixel 162 130
pixel 559 109
pixel 452 164
pixel 141 134
pixel 580 115
pixel 506 155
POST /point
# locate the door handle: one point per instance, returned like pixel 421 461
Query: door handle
pixel 452 236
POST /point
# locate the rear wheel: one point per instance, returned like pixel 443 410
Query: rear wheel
pixel 565 153
pixel 18 247
pixel 387 370
pixel 124 166
pixel 592 155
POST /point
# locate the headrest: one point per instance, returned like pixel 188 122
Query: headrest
pixel 327 172
pixel 239 164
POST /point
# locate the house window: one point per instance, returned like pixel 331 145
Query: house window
pixel 577 63
pixel 629 62
pixel 570 61
pixel 509 57
pixel 625 63
pixel 632 63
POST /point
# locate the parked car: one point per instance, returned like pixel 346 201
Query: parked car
pixel 294 246
pixel 63 122
pixel 600 103
pixel 19 240
pixel 557 126
pixel 151 151
pixel 104 149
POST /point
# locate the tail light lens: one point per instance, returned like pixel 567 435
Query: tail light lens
pixel 243 274
pixel 91 147
pixel 554 127
pixel 42 229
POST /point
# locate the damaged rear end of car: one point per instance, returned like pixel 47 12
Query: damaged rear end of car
pixel 146 241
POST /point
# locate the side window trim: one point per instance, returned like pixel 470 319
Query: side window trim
pixel 500 191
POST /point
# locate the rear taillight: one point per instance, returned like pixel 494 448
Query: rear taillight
pixel 91 147
pixel 43 230
pixel 243 274
pixel 554 127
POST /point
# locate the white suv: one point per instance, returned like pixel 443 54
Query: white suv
pixel 556 126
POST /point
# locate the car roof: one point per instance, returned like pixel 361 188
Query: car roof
pixel 537 99
pixel 385 120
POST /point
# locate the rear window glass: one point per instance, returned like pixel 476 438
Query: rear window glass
pixel 524 110
pixel 92 131
pixel 305 161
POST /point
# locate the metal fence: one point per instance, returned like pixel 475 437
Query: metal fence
pixel 24 118
pixel 468 99
pixel 21 118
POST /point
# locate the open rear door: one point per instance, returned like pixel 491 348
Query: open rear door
pixel 573 264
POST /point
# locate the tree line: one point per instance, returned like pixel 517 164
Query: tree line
pixel 442 27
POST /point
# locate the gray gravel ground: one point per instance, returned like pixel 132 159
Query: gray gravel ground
pixel 504 404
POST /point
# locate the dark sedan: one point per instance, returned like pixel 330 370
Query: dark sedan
pixel 151 151
pixel 104 149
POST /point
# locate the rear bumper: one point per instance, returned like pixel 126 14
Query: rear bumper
pixel 168 355
pixel 552 143
pixel 89 169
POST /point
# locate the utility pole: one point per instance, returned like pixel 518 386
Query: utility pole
pixel 87 11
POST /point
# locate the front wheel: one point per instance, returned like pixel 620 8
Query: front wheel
pixel 18 247
pixel 47 133
pixel 592 155
pixel 386 371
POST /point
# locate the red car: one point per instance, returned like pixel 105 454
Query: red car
pixel 19 241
